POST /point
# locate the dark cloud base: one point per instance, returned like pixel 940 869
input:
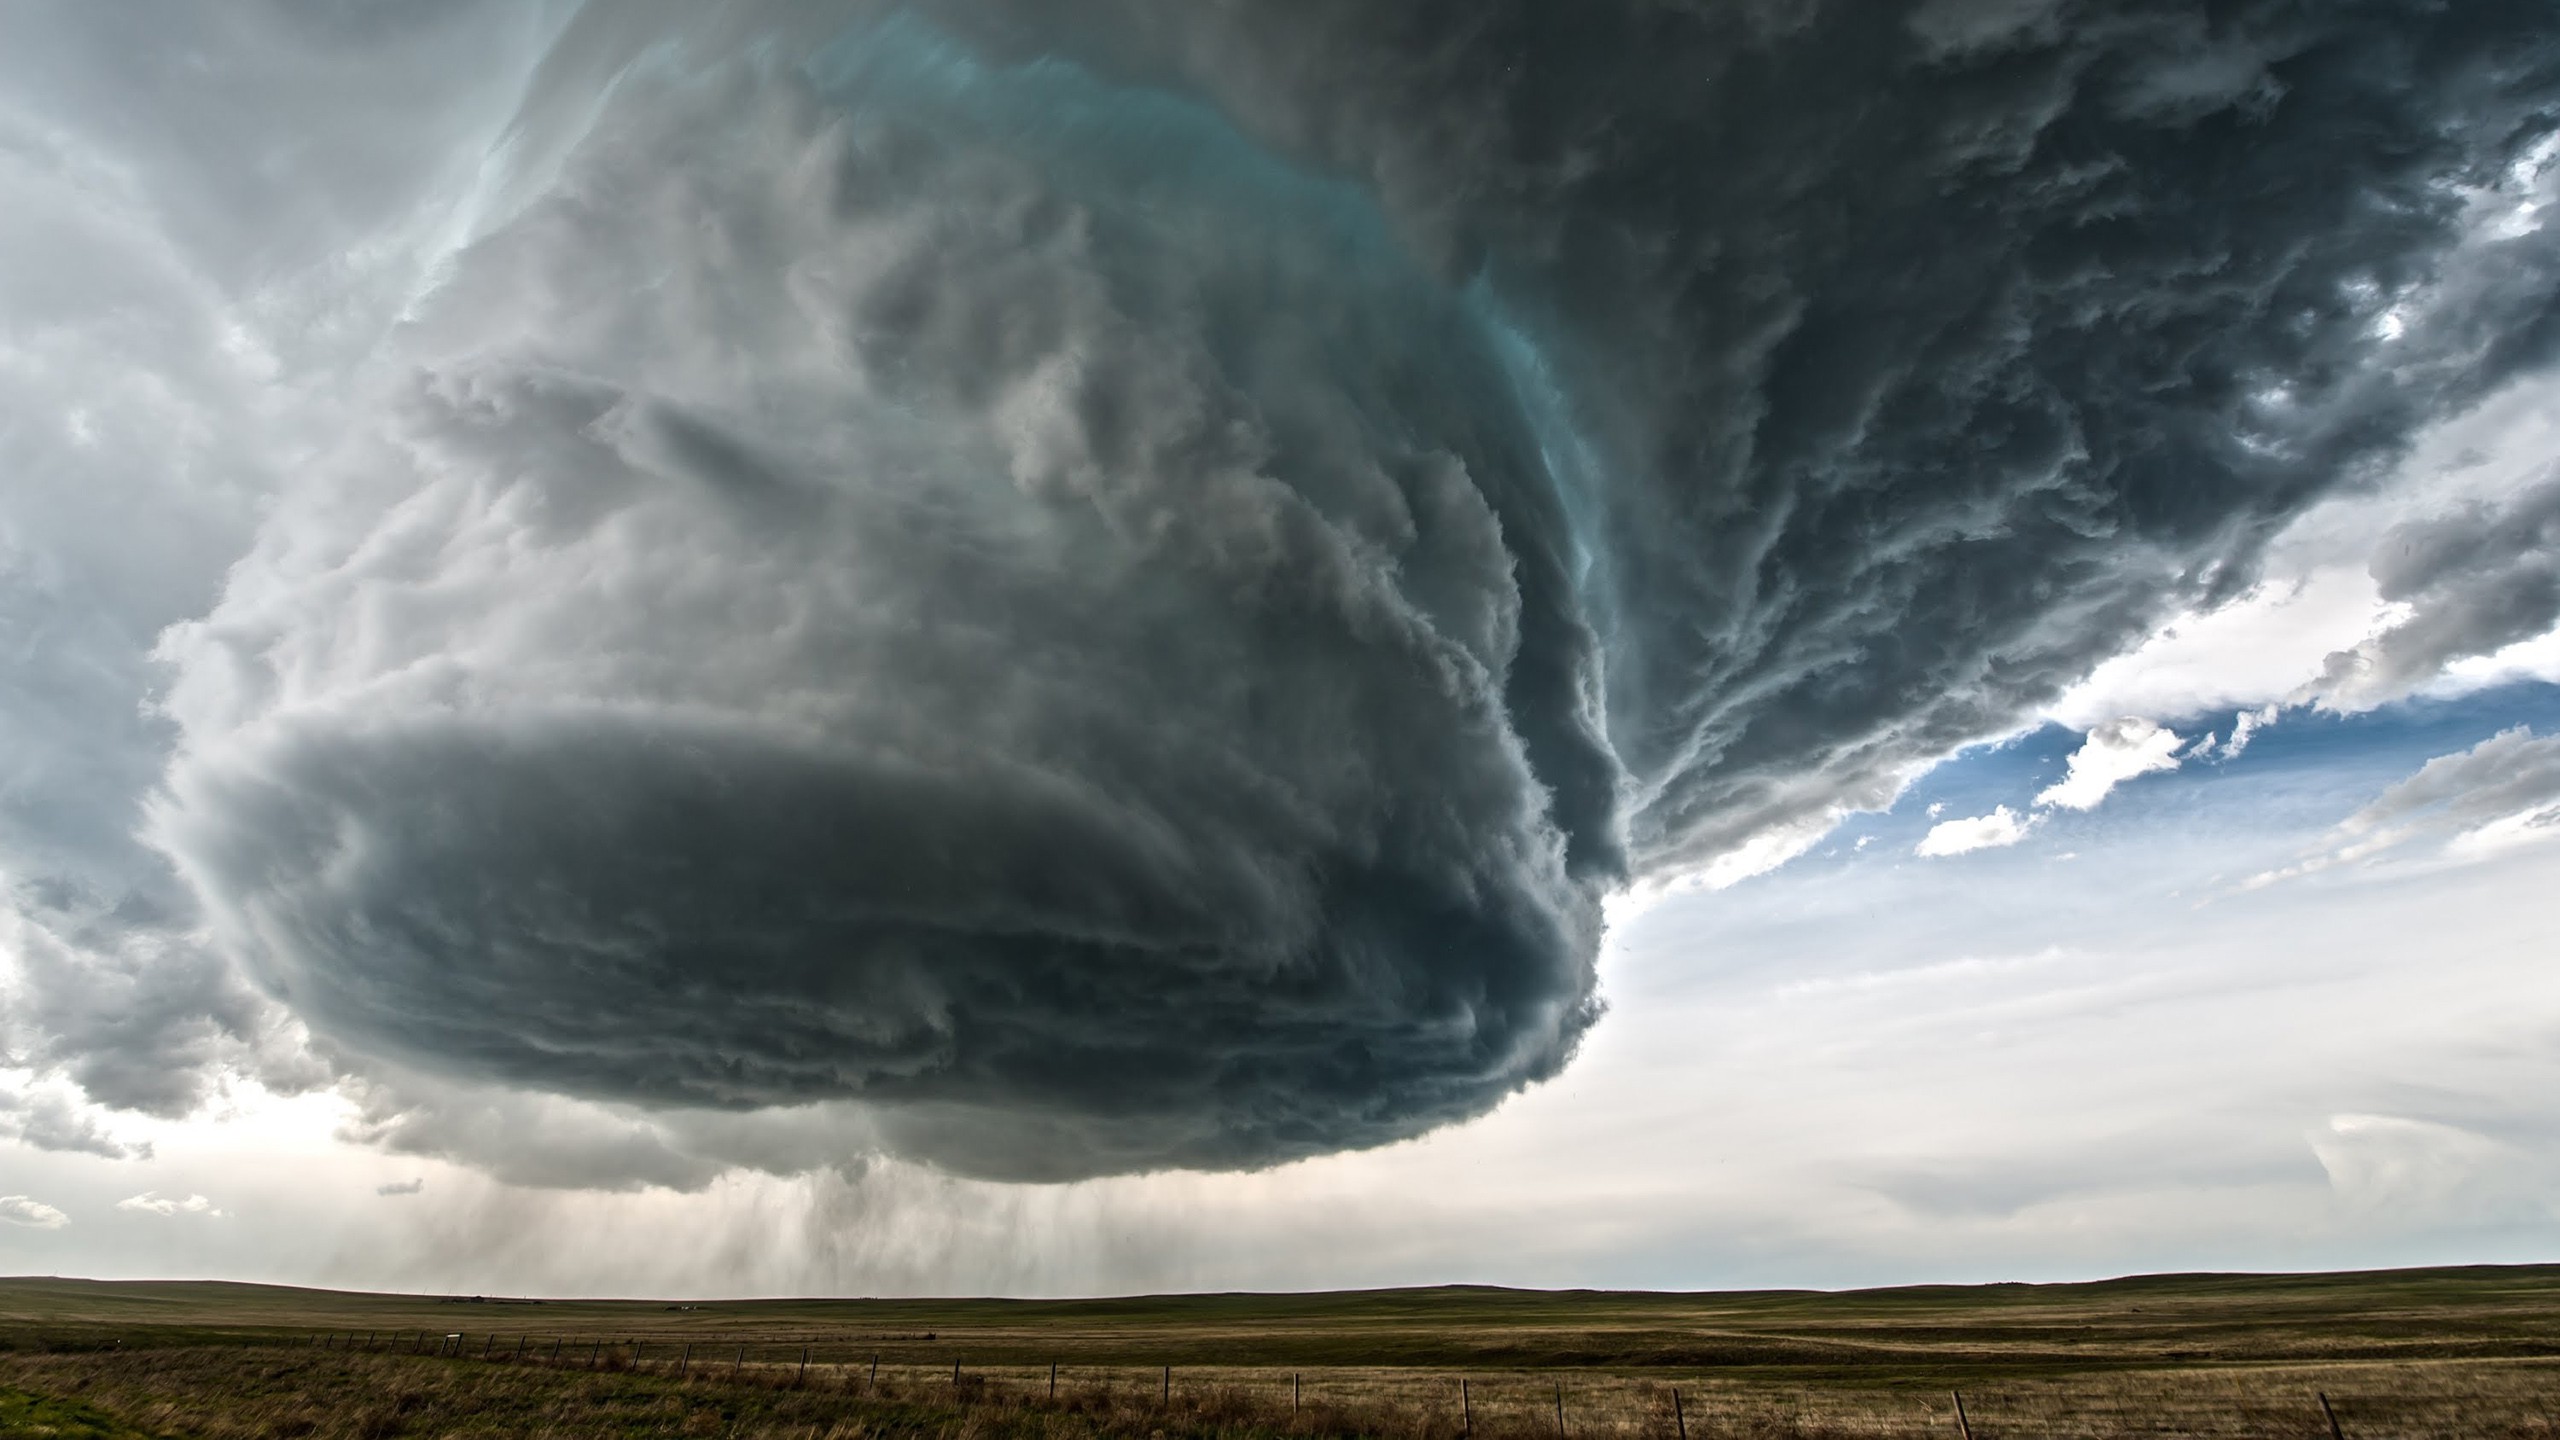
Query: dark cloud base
pixel 698 920
pixel 1118 580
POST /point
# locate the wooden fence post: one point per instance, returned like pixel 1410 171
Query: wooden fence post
pixel 1293 1392
pixel 684 1362
pixel 1053 1379
pixel 1467 1409
pixel 2334 1432
pixel 874 1384
pixel 1559 1410
pixel 1678 1416
pixel 802 1378
pixel 1961 1422
pixel 1168 1385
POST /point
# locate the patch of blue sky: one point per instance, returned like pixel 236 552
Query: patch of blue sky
pixel 2162 847
pixel 2307 771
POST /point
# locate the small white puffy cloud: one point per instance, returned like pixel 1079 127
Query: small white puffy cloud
pixel 2246 727
pixel 2109 755
pixel 151 1202
pixel 31 1213
pixel 2002 827
pixel 2112 754
pixel 402 1187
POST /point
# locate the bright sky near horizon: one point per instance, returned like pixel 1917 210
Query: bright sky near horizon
pixel 990 647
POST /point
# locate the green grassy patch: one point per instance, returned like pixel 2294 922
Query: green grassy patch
pixel 25 1416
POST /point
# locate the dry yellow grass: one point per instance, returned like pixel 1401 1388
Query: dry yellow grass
pixel 287 1393
pixel 2470 1353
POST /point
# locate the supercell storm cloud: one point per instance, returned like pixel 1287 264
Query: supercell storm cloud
pixel 1117 582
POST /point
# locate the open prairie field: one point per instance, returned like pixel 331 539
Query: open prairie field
pixel 2460 1352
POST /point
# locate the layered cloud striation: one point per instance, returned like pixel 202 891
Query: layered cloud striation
pixel 1117 582
pixel 898 579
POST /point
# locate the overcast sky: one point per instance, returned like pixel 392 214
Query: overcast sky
pixel 1104 646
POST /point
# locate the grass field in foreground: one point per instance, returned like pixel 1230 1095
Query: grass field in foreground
pixel 2461 1352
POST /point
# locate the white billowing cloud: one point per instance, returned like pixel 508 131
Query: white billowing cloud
pixel 2245 728
pixel 2113 753
pixel 2319 628
pixel 2430 1170
pixel 31 1213
pixel 151 1202
pixel 2002 827
pixel 2268 644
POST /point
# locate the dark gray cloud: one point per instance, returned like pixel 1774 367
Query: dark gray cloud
pixel 1115 581
pixel 2473 804
pixel 2512 776
pixel 2476 580
pixel 50 1120
pixel 1078 690
pixel 548 1141
pixel 1956 339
